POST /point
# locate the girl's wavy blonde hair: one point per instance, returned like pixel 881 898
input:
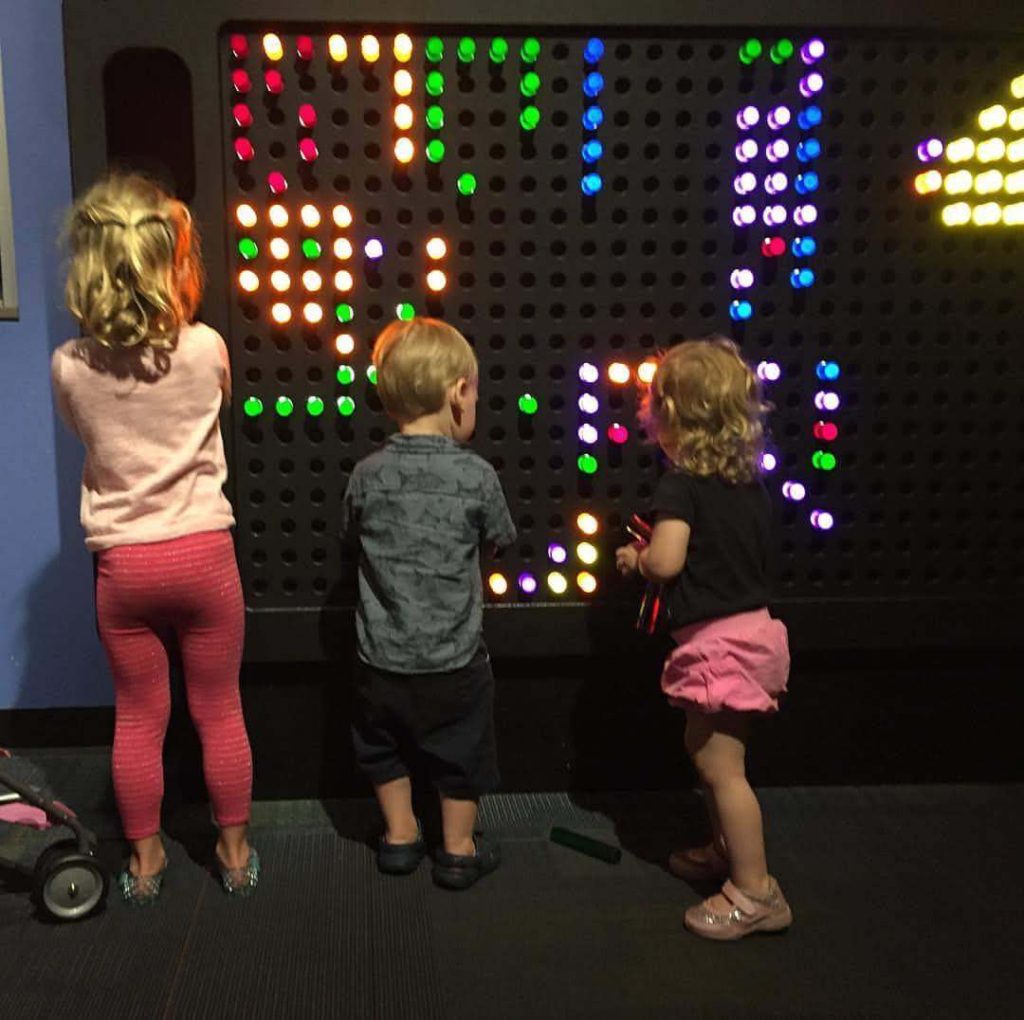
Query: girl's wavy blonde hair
pixel 704 408
pixel 135 274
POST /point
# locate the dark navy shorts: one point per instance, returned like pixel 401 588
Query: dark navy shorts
pixel 445 721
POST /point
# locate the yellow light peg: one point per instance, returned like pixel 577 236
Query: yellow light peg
pixel 926 183
pixel 958 182
pixel 992 117
pixel 1015 151
pixel 990 150
pixel 403 48
pixel 278 216
pixel 987 214
pixel 960 150
pixel 988 183
pixel 338 48
pixel 273 47
pixel 1017 87
pixel 957 214
pixel 279 248
pixel 1013 183
pixel 369 46
pixel 1013 215
pixel 280 280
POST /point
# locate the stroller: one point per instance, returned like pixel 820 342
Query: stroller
pixel 69 882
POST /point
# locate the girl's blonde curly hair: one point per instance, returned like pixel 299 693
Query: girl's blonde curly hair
pixel 704 407
pixel 135 274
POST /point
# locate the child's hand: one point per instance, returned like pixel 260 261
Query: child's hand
pixel 627 559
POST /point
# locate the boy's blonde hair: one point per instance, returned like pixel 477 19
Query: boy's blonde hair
pixel 135 276
pixel 417 361
pixel 704 408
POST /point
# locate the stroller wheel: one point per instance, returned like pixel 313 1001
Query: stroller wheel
pixel 69 884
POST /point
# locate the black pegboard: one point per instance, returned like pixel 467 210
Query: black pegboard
pixel 920 318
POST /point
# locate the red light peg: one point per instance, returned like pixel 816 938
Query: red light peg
pixel 618 433
pixel 825 430
pixel 274 81
pixel 242 115
pixel 304 47
pixel 244 149
pixel 773 247
pixel 308 150
pixel 240 81
pixel 239 47
pixel 276 182
pixel 307 115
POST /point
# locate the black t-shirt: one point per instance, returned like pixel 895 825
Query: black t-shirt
pixel 727 562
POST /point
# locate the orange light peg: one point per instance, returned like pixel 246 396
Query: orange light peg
pixel 312 313
pixel 436 248
pixel 343 281
pixel 404 150
pixel 338 48
pixel 312 280
pixel 618 373
pixel 403 82
pixel 272 46
pixel 647 371
pixel 587 523
pixel 369 46
pixel 404 117
pixel 436 280
pixel 310 216
pixel 342 216
pixel 344 343
pixel 248 281
pixel 498 584
pixel 278 216
pixel 281 313
pixel 342 248
pixel 246 216
pixel 587 553
pixel 280 280
pixel 403 48
pixel 587 582
pixel 279 248
pixel 928 182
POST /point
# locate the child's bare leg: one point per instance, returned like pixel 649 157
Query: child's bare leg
pixel 458 818
pixel 698 729
pixel 395 799
pixel 718 748
pixel 148 857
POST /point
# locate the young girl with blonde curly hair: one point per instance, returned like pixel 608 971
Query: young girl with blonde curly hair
pixel 143 389
pixel 710 549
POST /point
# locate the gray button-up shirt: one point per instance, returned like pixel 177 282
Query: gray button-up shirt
pixel 418 510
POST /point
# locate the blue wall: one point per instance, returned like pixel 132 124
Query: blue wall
pixel 49 653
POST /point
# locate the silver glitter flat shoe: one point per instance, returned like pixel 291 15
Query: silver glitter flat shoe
pixel 748 914
pixel 141 890
pixel 241 881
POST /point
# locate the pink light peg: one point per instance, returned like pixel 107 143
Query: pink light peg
pixel 274 82
pixel 277 182
pixel 304 47
pixel 242 115
pixel 240 81
pixel 617 433
pixel 244 149
pixel 239 47
pixel 308 150
pixel 307 115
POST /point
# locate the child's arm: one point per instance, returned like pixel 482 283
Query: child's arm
pixel 225 382
pixel 59 396
pixel 665 556
pixel 350 512
pixel 497 527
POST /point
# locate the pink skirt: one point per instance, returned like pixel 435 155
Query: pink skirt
pixel 738 662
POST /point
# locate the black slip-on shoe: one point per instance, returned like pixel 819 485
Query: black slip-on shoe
pixel 460 871
pixel 400 858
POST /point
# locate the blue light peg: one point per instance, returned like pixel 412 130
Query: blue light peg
pixel 593 51
pixel 593 118
pixel 808 149
pixel 593 84
pixel 740 311
pixel 806 182
pixel 591 184
pixel 809 117
pixel 803 247
pixel 827 371
pixel 592 151
pixel 801 278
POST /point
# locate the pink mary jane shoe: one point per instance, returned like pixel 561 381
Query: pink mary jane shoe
pixel 748 914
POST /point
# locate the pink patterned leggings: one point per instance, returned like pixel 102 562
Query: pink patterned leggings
pixel 187 587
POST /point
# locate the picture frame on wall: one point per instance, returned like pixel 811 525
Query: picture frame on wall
pixel 8 277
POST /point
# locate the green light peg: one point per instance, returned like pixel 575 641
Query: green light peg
pixel 253 407
pixel 284 406
pixel 530 84
pixel 435 83
pixel 248 249
pixel 435 118
pixel 781 51
pixel 466 184
pixel 346 374
pixel 587 463
pixel 467 49
pixel 435 150
pixel 530 50
pixel 371 374
pixel 346 405
pixel 499 50
pixel 529 118
pixel 750 51
pixel 528 403
pixel 823 460
pixel 405 311
pixel 312 249
pixel 314 406
pixel 434 49
pixel 345 312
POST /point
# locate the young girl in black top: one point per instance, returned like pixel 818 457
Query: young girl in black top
pixel 710 548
